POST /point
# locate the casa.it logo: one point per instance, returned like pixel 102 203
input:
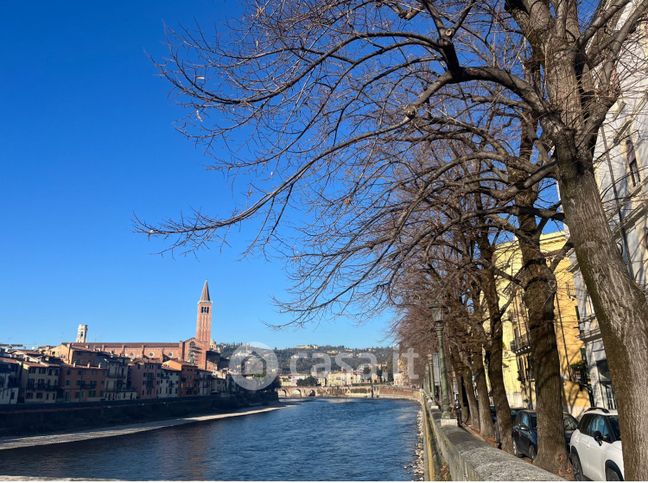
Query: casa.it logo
pixel 253 366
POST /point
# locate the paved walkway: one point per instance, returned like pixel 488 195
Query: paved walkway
pixel 23 442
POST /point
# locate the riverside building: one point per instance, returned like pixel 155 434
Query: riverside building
pixel 518 367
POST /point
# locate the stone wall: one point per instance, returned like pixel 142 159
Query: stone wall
pixel 28 419
pixel 469 458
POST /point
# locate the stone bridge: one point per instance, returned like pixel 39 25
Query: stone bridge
pixel 359 391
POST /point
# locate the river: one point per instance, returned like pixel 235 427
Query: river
pixel 318 439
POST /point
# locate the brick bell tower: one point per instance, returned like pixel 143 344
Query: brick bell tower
pixel 204 319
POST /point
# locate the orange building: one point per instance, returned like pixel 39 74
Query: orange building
pixel 144 378
pixel 117 368
pixel 82 383
pixel 199 350
pixel 189 378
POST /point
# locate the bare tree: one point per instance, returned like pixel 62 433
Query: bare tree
pixel 336 93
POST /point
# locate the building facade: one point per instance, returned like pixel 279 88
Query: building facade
pixel 621 172
pixel 116 387
pixel 39 381
pixel 518 366
pixel 168 382
pixel 9 377
pixel 188 373
pixel 82 383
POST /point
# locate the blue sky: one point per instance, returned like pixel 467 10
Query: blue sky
pixel 87 141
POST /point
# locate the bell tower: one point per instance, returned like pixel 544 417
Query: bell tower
pixel 204 318
pixel 82 333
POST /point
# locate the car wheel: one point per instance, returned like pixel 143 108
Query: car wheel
pixel 612 475
pixel 576 466
pixel 516 450
pixel 532 452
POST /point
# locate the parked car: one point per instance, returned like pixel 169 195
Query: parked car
pixel 498 439
pixel 595 447
pixel 525 432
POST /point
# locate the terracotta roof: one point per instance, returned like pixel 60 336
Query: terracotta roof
pixel 84 345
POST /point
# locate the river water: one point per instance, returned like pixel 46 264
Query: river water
pixel 318 439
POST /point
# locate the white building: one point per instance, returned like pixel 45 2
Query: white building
pixel 168 383
pixel 621 170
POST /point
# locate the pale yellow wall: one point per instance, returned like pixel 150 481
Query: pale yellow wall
pixel 508 259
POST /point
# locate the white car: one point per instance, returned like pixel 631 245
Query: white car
pixel 595 446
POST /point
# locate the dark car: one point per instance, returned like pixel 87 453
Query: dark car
pixel 498 439
pixel 525 432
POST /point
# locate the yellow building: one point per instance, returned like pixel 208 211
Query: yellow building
pixel 517 367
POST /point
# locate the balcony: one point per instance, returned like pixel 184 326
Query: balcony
pixel 520 345
pixel 42 386
pixel 589 329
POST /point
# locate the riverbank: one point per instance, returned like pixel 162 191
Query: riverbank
pixel 8 443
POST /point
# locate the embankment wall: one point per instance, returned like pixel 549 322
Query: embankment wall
pixel 29 419
pixel 469 458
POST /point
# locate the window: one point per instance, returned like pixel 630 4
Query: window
pixel 39 395
pixel 599 425
pixel 631 156
pixel 583 425
pixel 29 395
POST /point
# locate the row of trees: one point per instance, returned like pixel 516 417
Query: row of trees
pixel 408 138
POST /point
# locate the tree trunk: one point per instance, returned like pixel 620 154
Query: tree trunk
pixel 502 407
pixel 494 352
pixel 465 410
pixel 485 419
pixel 539 283
pixel 457 369
pixel 539 295
pixel 620 305
pixel 472 401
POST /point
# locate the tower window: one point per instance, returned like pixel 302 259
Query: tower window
pixel 204 310
pixel 631 156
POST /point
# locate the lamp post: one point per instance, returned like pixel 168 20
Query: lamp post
pixel 431 383
pixel 437 313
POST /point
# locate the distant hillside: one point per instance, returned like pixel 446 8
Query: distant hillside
pixel 307 356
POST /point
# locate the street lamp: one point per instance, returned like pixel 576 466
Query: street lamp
pixel 437 314
pixel 431 384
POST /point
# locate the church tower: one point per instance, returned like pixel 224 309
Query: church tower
pixel 203 321
pixel 82 333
